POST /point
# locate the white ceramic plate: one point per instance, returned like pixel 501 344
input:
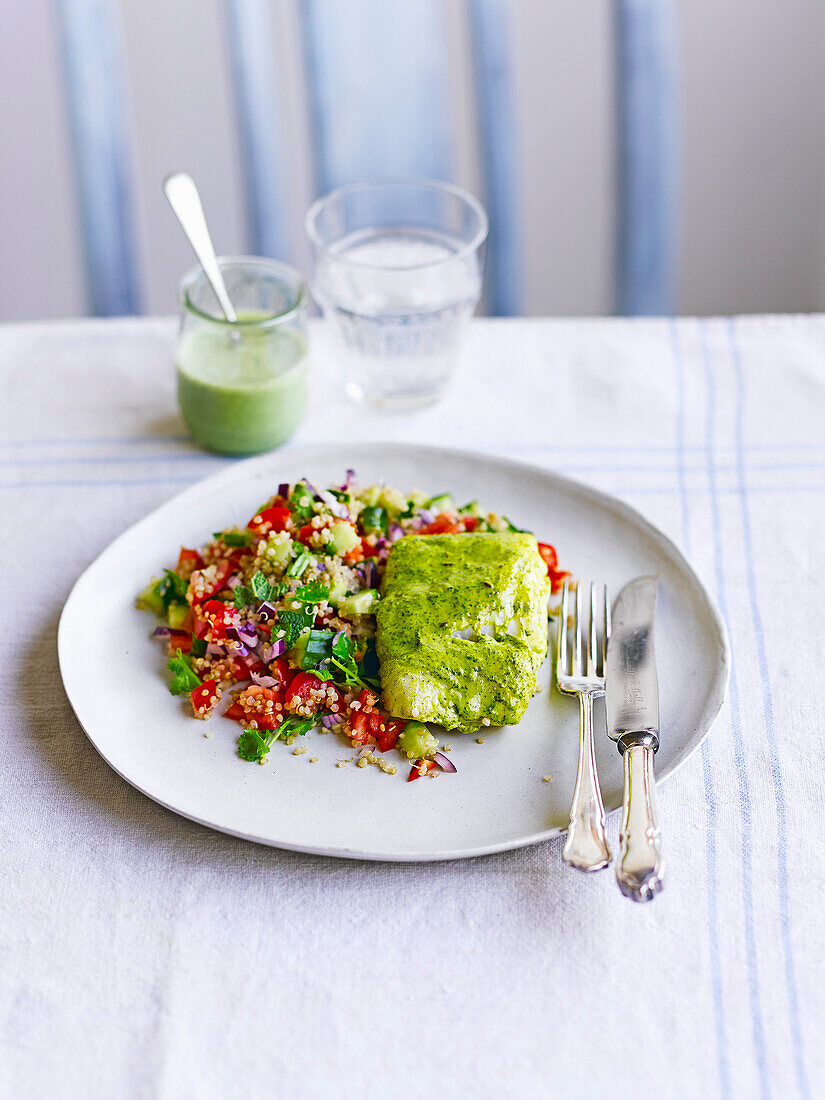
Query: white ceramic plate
pixel 116 681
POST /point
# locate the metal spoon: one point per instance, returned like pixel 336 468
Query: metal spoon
pixel 184 199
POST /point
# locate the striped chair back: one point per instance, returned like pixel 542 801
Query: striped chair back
pixel 377 75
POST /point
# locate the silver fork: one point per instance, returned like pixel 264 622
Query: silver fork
pixel 581 673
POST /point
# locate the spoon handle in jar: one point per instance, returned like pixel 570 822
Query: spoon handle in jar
pixel 184 199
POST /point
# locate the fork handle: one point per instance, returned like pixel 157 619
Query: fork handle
pixel 586 846
pixel 640 870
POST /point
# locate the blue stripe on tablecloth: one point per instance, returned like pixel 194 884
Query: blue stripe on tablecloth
pixel 680 469
pixel 722 1059
pixel 540 448
pixel 770 728
pixel 752 962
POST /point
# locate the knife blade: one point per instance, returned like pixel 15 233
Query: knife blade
pixel 632 700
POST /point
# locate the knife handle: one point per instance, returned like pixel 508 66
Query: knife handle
pixel 640 868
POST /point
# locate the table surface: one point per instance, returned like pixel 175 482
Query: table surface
pixel 145 956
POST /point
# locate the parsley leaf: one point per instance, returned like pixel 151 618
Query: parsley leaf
pixel 234 538
pixel 183 678
pixel 252 746
pixel 198 647
pixel 171 589
pixel 299 494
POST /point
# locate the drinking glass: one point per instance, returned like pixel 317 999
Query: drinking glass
pixel 398 267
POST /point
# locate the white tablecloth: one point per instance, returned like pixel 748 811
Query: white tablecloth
pixel 142 955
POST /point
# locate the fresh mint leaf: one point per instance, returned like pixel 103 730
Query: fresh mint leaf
pixel 291 623
pixel 243 596
pixel 183 679
pixel 260 586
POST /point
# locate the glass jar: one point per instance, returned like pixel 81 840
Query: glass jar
pixel 242 386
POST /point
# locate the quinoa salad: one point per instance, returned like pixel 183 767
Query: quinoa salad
pixel 272 625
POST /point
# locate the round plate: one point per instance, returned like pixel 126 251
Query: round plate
pixel 117 684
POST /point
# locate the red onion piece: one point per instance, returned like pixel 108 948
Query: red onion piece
pixel 444 762
pixel 268 651
pixel 264 681
pixel 283 489
pixel 267 613
pixel 169 632
pixel 425 517
pixel 395 532
pixel 245 634
pixel 370 574
pixel 330 720
pixel 215 650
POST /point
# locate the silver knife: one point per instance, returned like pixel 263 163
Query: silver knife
pixel 632 698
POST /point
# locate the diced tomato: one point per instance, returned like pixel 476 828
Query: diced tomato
pixel 367 698
pixel 280 669
pixel 470 523
pixel 188 562
pixel 235 711
pixel 205 698
pixel 441 525
pixel 242 667
pixel 205 583
pixel 551 560
pixel 368 551
pixel 259 705
pixel 305 533
pixel 421 767
pixel 360 727
pixel 218 616
pixel 387 738
pixel 236 558
pixel 270 519
pixel 549 555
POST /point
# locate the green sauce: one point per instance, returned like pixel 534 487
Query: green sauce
pixel 462 628
pixel 241 391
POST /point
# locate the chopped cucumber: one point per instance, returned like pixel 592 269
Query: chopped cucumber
pixel 471 509
pixel 318 647
pixel 337 593
pixel 374 520
pixel 177 614
pixel 278 550
pixel 417 741
pixel 343 537
pixel 151 599
pixel 297 653
pixel 441 503
pixel 392 499
pixel 359 603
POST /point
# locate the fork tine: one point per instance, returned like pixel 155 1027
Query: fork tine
pixel 561 634
pixel 578 661
pixel 605 629
pixel 592 652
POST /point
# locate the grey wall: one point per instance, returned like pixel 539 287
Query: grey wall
pixel 753 108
